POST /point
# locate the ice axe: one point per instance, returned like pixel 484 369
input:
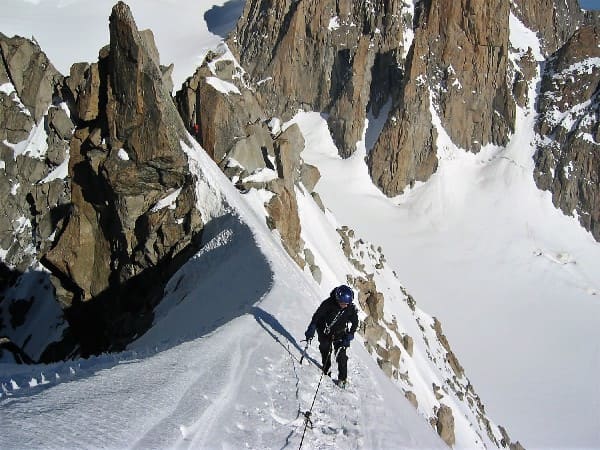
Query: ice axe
pixel 305 349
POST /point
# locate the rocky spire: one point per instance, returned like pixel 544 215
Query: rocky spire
pixel 121 240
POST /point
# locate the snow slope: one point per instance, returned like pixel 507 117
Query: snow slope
pixel 233 380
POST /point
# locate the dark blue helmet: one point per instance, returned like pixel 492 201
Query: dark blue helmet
pixel 343 294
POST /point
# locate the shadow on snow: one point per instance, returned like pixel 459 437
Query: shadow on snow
pixel 222 281
pixel 220 20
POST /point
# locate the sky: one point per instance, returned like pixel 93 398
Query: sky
pixel 513 281
pixel 590 4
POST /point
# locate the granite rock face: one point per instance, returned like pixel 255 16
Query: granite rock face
pixel 35 130
pixel 457 69
pixel 567 160
pixel 34 136
pixel 554 21
pixel 218 108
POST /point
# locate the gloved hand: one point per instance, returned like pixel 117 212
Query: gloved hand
pixel 310 332
pixel 346 339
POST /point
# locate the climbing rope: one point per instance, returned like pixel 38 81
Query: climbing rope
pixel 308 414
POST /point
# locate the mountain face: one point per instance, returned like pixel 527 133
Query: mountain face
pixel 554 22
pixel 349 58
pixel 567 158
pixel 457 66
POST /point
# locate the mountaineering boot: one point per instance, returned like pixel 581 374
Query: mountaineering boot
pixel 342 384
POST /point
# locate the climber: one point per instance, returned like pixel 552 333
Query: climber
pixel 335 322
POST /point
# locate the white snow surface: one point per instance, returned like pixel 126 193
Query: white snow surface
pixel 35 146
pixel 514 282
pixel 223 86
pixel 123 155
pixel 170 201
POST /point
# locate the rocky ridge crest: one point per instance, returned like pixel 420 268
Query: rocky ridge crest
pixel 221 109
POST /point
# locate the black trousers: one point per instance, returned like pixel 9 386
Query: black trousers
pixel 327 347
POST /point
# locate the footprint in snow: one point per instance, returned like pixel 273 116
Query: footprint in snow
pixel 184 431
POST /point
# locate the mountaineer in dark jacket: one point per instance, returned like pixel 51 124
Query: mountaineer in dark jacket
pixel 335 322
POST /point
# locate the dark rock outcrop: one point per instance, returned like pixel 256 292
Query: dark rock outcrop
pixel 567 158
pixel 19 356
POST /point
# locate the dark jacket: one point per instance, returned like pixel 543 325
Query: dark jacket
pixel 326 323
